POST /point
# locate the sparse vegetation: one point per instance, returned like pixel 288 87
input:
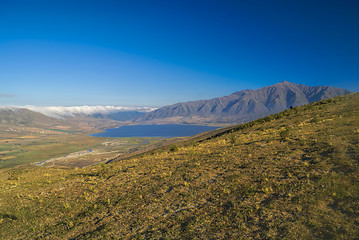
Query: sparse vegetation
pixel 258 187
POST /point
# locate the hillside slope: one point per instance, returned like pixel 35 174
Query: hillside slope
pixel 25 117
pixel 243 106
pixel 15 117
pixel 291 175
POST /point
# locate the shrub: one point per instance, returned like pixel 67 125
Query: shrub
pixel 284 134
pixel 233 139
pixel 315 120
pixel 174 148
pixel 104 169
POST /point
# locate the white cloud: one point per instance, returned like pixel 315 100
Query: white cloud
pixel 61 111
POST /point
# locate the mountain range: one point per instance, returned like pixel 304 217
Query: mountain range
pixel 242 106
pixel 96 116
pixel 22 117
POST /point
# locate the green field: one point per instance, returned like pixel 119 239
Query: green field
pixel 292 175
pixel 29 150
pixel 23 148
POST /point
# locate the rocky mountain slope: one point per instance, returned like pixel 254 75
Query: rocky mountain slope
pixel 242 106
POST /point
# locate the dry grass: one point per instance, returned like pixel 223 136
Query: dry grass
pixel 250 181
pixel 28 137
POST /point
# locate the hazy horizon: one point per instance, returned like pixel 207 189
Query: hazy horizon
pixel 70 111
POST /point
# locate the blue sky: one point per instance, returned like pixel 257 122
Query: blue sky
pixel 155 53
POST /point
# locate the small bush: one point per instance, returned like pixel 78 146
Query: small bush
pixel 284 134
pixel 104 170
pixel 233 139
pixel 174 148
pixel 315 120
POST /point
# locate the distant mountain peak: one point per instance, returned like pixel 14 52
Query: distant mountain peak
pixel 285 82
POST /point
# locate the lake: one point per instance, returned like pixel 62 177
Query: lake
pixel 168 130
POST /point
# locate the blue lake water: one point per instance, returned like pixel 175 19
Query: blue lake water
pixel 168 130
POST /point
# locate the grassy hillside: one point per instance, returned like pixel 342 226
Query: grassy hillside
pixel 292 175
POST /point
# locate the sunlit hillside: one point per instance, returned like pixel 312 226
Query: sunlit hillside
pixel 292 175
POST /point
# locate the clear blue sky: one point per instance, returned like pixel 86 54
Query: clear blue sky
pixel 155 53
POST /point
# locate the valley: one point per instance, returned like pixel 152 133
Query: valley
pixel 28 138
pixel 105 151
pixel 54 146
